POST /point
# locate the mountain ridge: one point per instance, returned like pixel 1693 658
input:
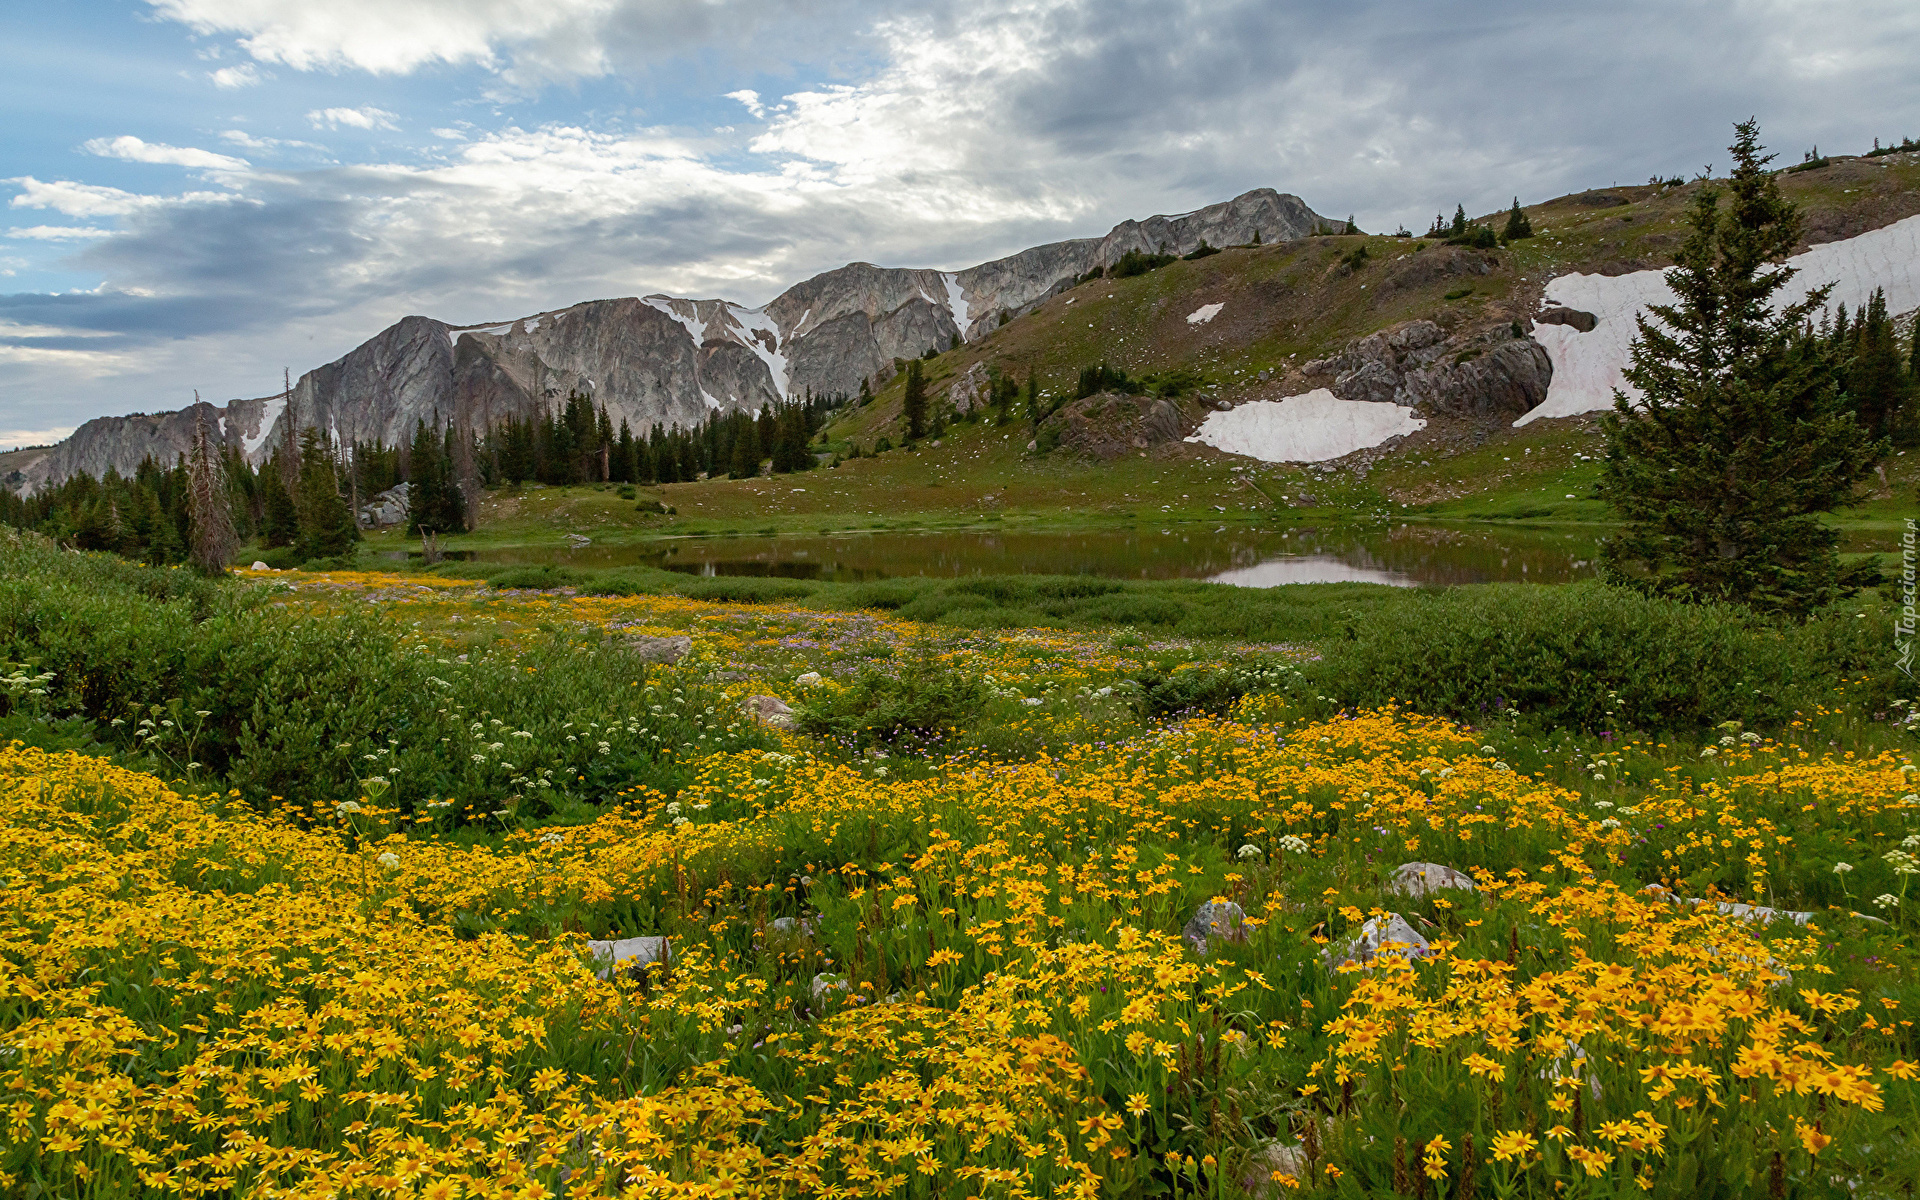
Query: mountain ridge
pixel 660 359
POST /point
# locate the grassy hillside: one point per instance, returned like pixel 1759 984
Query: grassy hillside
pixel 1281 306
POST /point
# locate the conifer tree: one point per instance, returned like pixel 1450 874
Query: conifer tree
pixel 327 529
pixel 1518 226
pixel 1742 436
pixel 746 450
pixel 913 404
pixel 279 522
pixel 1351 227
pixel 1459 221
pixel 1874 377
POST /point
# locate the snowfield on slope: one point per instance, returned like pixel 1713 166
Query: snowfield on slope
pixel 1314 427
pixel 1588 366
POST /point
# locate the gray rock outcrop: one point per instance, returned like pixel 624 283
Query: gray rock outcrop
pixel 770 711
pixel 1109 425
pixel 1386 937
pixel 1486 372
pixel 628 954
pixel 388 508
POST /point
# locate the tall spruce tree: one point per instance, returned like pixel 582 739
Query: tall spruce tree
pixel 1459 228
pixel 327 529
pixel 279 520
pixel 1875 378
pixel 913 403
pixel 1518 226
pixel 1742 435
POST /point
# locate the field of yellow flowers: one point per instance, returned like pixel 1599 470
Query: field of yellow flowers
pixel 1142 958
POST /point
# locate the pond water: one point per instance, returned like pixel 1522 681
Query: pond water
pixel 1399 555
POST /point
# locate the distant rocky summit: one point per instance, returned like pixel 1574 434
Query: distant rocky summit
pixel 662 359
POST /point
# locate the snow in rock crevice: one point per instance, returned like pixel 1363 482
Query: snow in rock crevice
pixel 1587 367
pixel 956 302
pixel 755 320
pixel 1313 427
pixel 671 307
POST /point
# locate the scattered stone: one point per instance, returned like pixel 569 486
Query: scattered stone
pixel 1222 919
pixel 1386 937
pixel 825 985
pixel 1571 317
pixel 808 679
pixel 1257 1176
pixel 260 566
pixel 770 711
pixel 629 954
pixel 661 649
pixel 1424 878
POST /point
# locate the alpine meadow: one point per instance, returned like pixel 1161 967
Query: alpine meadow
pixel 1222 704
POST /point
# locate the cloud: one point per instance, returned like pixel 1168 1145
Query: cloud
pixel 132 149
pixel 21 438
pixel 57 233
pixel 353 118
pixel 243 75
pixel 923 135
pixel 92 200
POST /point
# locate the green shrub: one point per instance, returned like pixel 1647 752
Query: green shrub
pixel 544 577
pixel 1135 262
pixel 625 491
pixel 921 706
pixel 745 589
pixel 1580 656
pixel 217 685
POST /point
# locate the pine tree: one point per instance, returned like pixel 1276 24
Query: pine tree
pixel 326 525
pixel 211 539
pixel 1459 221
pixel 1874 378
pixel 1742 436
pixel 1518 226
pixel 279 523
pixel 746 450
pixel 913 403
pixel 1351 227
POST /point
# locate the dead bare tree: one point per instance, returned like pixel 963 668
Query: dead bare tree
pixel 210 535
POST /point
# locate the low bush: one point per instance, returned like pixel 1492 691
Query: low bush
pixel 917 708
pixel 744 589
pixel 1591 657
pixel 221 686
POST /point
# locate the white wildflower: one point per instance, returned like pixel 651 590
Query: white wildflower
pixel 1886 900
pixel 1248 851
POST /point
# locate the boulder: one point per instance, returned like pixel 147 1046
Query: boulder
pixel 770 711
pixel 387 508
pixel 1423 878
pixel 661 649
pixel 1386 937
pixel 260 566
pixel 1479 372
pixel 1258 1171
pixel 629 955
pixel 1560 314
pixel 807 679
pixel 825 985
pixel 1216 920
pixel 1112 425
pixel 970 392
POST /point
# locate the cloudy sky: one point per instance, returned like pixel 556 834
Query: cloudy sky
pixel 201 192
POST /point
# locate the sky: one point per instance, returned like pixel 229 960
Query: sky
pixel 198 194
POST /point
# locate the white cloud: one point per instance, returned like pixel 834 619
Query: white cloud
pixel 353 118
pixel 57 233
pixel 243 75
pixel 91 200
pixel 132 149
pixel 750 99
pixel 14 438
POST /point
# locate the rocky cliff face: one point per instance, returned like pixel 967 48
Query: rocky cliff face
pixel 663 359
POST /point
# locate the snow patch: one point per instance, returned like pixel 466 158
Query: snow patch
pixel 1588 366
pixel 1203 314
pixel 1311 428
pixel 956 302
pixel 711 402
pixel 269 413
pixel 671 308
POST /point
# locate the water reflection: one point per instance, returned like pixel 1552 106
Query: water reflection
pixel 1401 556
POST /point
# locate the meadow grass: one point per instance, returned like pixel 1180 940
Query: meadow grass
pixel 955 967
